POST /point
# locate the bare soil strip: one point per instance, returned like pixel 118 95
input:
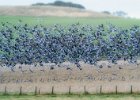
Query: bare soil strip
pixel 122 75
pixel 48 11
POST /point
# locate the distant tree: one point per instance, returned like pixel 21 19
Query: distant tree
pixel 106 12
pixel 38 4
pixel 120 13
pixel 61 3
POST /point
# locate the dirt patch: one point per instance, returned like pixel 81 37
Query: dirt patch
pixel 69 72
pixel 122 75
pixel 49 11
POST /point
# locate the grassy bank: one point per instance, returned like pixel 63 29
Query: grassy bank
pixel 71 97
pixel 120 22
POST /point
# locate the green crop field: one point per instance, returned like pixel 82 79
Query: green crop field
pixel 120 22
pixel 72 97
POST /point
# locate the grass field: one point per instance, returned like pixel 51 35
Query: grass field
pixel 72 97
pixel 120 22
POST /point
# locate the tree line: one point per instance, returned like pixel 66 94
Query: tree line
pixel 61 3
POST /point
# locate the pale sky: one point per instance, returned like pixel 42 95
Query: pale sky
pixel 132 7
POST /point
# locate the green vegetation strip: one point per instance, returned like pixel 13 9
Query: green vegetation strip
pixel 120 22
pixel 72 97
